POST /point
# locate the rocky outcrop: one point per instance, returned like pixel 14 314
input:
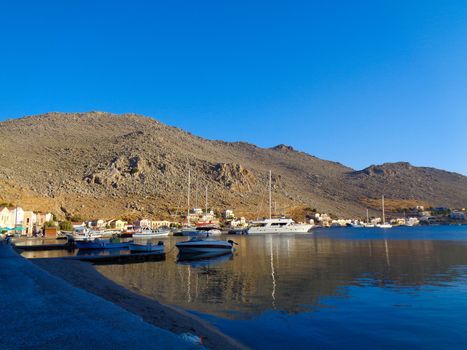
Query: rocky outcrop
pixel 234 177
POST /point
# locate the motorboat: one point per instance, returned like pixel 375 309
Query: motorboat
pixel 356 224
pixel 84 235
pixel 198 245
pixel 201 231
pixel 149 247
pixel 98 243
pixel 368 225
pixel 148 233
pixel 281 225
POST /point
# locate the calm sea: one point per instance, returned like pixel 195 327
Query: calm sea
pixel 332 289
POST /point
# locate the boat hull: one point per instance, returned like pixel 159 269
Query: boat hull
pixel 201 233
pixel 204 250
pixel 99 244
pixel 277 230
pixel 204 247
pixel 153 248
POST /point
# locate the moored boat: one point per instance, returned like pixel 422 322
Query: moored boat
pixel 148 247
pixel 197 245
pixel 148 233
pixel 200 231
pixel 99 243
pixel 281 225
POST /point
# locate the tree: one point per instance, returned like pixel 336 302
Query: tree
pixel 66 226
pixel 50 224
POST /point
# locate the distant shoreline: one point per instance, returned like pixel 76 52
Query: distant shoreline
pixel 83 275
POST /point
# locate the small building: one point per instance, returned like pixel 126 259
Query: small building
pixel 160 223
pixel 117 224
pixel 4 217
pixel 29 221
pixel 228 214
pixel 143 223
pixel 97 224
pixel 241 222
pixel 42 218
pixel 50 232
pixel 457 215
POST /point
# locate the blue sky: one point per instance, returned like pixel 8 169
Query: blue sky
pixel 359 82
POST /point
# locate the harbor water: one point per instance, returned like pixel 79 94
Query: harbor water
pixel 334 288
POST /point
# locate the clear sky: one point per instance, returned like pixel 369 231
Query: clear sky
pixel 359 82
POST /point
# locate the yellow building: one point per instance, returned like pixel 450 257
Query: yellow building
pixel 118 224
pixel 29 220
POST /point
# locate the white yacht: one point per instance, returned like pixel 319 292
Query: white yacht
pixel 281 225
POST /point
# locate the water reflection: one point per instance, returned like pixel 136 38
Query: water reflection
pixel 292 273
pixel 203 260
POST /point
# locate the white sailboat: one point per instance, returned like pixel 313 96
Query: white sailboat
pixel 281 225
pixel 201 229
pixel 384 224
pixel 367 224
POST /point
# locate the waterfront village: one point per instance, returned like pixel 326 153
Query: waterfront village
pixel 14 220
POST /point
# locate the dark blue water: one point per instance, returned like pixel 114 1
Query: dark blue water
pixel 333 289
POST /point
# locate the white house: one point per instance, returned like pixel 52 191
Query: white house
pixel 16 216
pixel 4 217
pixel 241 222
pixel 228 214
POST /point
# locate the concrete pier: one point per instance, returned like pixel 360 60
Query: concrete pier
pixel 41 311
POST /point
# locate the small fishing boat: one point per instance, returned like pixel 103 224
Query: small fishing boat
pixel 148 233
pixel 148 247
pixel 98 243
pixel 356 224
pixel 198 245
pixel 201 231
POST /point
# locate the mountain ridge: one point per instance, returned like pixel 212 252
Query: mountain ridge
pixel 111 165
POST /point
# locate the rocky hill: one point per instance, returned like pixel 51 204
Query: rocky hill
pixel 101 164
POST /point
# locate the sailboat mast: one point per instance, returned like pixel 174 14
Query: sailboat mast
pixel 188 197
pixel 270 194
pixel 367 217
pixel 206 201
pixel 382 200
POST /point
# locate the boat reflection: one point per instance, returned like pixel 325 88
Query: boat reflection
pixel 203 259
pixel 294 273
pixel 102 252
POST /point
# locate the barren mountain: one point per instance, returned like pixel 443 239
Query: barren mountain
pixel 105 165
